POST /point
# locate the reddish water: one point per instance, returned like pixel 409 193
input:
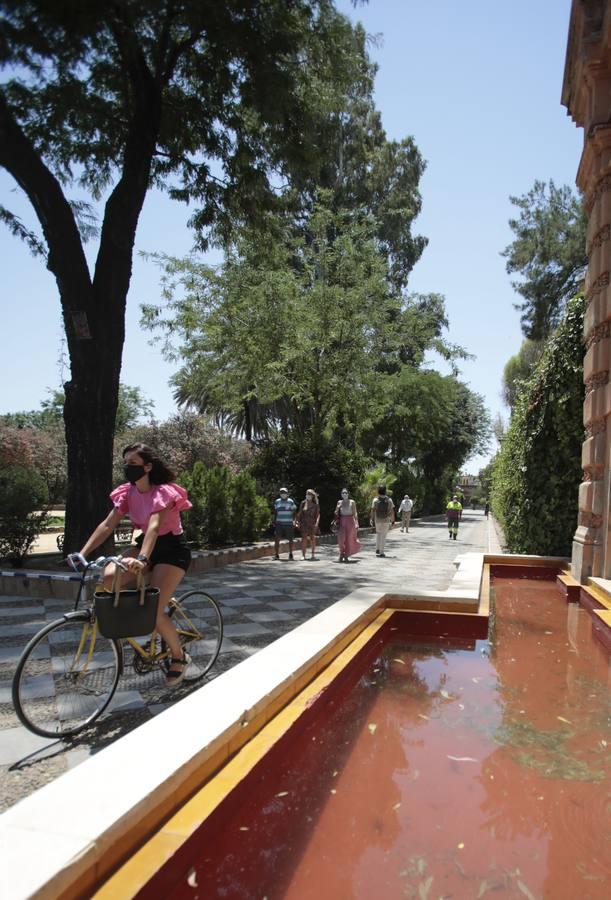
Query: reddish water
pixel 477 770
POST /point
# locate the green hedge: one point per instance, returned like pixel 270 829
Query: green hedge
pixel 538 470
pixel 226 508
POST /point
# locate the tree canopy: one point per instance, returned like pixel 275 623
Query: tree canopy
pixel 216 103
pixel 549 253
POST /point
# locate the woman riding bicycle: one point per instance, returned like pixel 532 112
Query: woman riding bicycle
pixel 153 502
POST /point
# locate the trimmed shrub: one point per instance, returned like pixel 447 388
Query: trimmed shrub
pixel 23 496
pixel 226 508
pixel 537 473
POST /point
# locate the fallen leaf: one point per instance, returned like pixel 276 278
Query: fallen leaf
pixel 446 695
pixel 461 705
pixel 333 791
pixel 372 728
pixel 424 888
pixel 399 661
pixel 192 878
pixel 396 806
pixel 422 716
pixel 525 890
pixel 243 828
pixel 460 846
pixel 562 719
pixel 282 794
pixel 463 758
pixel 476 680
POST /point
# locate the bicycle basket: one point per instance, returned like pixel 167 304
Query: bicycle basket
pixel 126 613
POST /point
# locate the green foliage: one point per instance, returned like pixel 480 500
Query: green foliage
pixel 537 473
pixel 226 508
pixel 23 496
pixel 300 463
pixel 549 254
pixel 519 368
pixel 132 407
pixel 249 512
pixel 39 448
pixel 368 489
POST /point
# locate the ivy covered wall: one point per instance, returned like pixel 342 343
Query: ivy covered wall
pixel 538 470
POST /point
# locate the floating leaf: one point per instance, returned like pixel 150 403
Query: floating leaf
pixel 333 791
pixel 396 806
pixel 282 794
pixel 461 705
pixel 243 828
pixel 446 696
pixel 461 846
pixel 424 888
pixel 192 878
pixel 402 661
pixel 422 716
pixel 335 773
pixel 463 758
pixel 548 632
pixel 482 889
pixel 525 890
pixel 562 719
pixel 476 680
pixel 372 728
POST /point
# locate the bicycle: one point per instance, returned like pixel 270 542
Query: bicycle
pixel 68 673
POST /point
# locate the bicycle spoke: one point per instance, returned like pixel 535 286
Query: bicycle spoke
pixel 199 624
pixel 65 678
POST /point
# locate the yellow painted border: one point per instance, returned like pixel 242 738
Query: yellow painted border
pixel 143 865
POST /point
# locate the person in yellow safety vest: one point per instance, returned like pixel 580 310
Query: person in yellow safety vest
pixel 453 512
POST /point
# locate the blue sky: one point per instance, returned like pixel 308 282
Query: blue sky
pixel 477 84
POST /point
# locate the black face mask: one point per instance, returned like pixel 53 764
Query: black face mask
pixel 133 473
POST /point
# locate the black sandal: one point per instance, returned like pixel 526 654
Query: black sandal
pixel 175 675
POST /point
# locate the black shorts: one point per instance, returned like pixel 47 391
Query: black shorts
pixel 170 550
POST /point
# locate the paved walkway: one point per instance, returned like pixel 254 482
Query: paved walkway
pixel 261 600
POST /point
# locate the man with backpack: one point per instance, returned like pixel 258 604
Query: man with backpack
pixel 382 518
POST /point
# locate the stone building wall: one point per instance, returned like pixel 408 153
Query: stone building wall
pixel 586 94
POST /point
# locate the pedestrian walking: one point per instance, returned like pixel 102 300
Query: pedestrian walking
pixel 284 521
pixel 454 513
pixel 347 521
pixel 405 512
pixel 307 520
pixel 487 509
pixel 382 518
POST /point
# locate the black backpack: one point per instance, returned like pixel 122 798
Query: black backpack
pixel 382 507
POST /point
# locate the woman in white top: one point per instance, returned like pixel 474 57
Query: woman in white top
pixel 347 519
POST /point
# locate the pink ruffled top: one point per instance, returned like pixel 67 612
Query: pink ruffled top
pixel 140 507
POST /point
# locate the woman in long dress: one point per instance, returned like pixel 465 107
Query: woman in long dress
pixel 307 521
pixel 347 520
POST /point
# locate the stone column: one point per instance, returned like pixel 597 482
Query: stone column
pixel 587 95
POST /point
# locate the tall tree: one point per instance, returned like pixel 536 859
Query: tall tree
pixel 549 253
pixel 210 101
pixel 519 368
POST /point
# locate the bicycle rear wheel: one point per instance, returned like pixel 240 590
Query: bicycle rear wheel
pixel 199 623
pixel 66 677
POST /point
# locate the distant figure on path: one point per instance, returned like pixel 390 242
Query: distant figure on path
pixel 405 511
pixel 486 509
pixel 346 517
pixel 453 512
pixel 382 518
pixel 284 521
pixel 307 521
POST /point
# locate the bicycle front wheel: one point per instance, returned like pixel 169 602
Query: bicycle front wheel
pixel 199 623
pixel 66 677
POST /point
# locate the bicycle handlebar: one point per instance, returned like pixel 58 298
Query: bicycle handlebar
pixel 75 560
